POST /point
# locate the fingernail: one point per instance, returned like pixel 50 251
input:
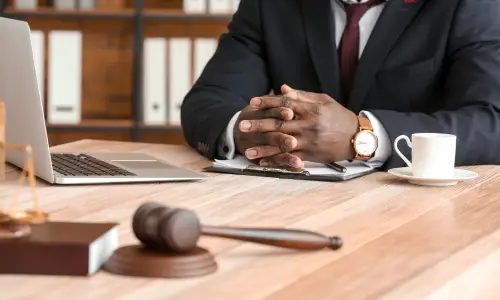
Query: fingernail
pixel 250 153
pixel 288 142
pixel 285 114
pixel 264 163
pixel 293 162
pixel 245 125
pixel 255 102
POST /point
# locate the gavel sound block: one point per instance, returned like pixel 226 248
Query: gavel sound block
pixel 169 239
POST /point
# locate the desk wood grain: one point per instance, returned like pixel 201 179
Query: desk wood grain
pixel 401 241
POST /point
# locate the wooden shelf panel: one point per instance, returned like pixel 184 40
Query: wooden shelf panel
pixel 165 128
pixel 100 4
pixel 97 123
pixel 162 14
pixel 63 137
pixel 179 14
pixel 162 4
pixel 107 124
pixel 57 137
pixel 48 12
pixel 162 137
pixel 172 28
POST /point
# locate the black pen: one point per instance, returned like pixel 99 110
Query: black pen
pixel 337 167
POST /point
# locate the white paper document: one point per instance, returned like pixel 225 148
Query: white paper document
pixel 354 169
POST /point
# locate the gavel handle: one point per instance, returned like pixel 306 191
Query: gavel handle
pixel 284 238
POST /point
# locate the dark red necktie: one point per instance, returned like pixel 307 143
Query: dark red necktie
pixel 349 44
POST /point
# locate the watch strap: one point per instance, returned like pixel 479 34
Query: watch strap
pixel 364 124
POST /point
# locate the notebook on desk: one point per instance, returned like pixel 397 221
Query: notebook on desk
pixel 312 171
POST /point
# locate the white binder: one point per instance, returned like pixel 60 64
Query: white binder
pixel 38 46
pixel 220 6
pixel 236 4
pixel 25 4
pixel 65 4
pixel 65 77
pixel 155 81
pixel 87 4
pixel 204 50
pixel 195 6
pixel 179 66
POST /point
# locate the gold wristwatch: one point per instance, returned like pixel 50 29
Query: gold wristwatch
pixel 365 142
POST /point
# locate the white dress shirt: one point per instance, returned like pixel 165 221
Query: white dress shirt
pixel 226 148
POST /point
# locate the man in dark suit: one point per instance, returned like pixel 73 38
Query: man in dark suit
pixel 349 77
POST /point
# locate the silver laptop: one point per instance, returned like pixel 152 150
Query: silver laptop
pixel 25 125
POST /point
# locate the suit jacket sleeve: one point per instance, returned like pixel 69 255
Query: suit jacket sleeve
pixel 472 98
pixel 236 72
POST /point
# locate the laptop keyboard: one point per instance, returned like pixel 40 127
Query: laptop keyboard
pixel 85 165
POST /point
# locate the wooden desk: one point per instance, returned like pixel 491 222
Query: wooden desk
pixel 401 241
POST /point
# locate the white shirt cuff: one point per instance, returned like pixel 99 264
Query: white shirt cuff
pixel 384 150
pixel 226 148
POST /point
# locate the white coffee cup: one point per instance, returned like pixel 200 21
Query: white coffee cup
pixel 433 154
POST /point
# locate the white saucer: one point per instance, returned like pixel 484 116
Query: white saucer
pixel 459 175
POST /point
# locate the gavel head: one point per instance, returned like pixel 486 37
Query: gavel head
pixel 166 229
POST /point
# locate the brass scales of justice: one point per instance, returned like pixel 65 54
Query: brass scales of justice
pixel 16 223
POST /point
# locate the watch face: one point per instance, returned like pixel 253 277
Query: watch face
pixel 366 143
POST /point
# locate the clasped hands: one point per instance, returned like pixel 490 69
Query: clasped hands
pixel 297 126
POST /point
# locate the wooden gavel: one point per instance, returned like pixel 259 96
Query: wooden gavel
pixel 177 230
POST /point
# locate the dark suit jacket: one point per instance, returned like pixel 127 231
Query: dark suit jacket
pixel 429 66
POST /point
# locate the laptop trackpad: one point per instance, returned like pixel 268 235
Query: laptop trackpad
pixel 142 164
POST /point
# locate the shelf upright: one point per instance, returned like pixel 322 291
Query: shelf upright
pixel 137 70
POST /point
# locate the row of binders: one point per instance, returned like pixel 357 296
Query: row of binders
pixel 169 70
pixel 189 6
pixel 170 67
pixel 57 4
pixel 211 6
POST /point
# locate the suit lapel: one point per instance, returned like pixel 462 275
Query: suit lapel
pixel 396 16
pixel 320 31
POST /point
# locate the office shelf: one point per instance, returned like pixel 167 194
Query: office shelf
pixel 93 124
pixel 179 15
pixel 163 128
pixel 113 60
pixel 46 12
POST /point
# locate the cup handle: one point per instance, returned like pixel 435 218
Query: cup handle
pixel 408 142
